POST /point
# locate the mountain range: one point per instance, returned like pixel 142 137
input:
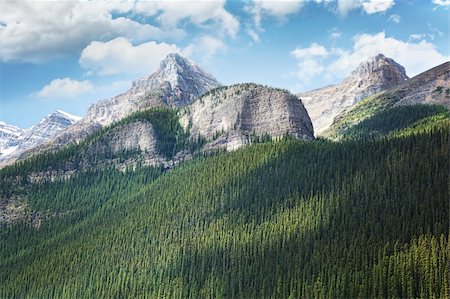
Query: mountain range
pixel 227 116
pixel 184 188
pixel 15 141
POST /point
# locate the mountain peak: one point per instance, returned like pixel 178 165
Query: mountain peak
pixel 178 81
pixel 388 67
pixel 68 116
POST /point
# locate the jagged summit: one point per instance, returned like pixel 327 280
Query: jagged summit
pixel 382 65
pixel 373 75
pixel 22 140
pixel 178 80
pixel 63 114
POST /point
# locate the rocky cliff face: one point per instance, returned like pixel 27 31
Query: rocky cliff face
pixel 176 83
pixel 372 76
pixel 24 140
pixel 229 115
pixel 429 87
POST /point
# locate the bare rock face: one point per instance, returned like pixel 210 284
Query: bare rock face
pixel 372 76
pixel 229 115
pixel 429 87
pixel 138 135
pixel 176 83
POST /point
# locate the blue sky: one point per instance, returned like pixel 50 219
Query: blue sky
pixel 67 55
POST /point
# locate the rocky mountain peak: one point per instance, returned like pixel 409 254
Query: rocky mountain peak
pixel 229 115
pixel 178 81
pixel 382 67
pixel 24 140
pixel 373 75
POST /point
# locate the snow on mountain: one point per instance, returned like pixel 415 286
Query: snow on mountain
pixel 176 83
pixel 17 141
pixel 8 133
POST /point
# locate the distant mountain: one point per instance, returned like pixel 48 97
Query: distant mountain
pixel 372 76
pixel 431 87
pixel 17 141
pixel 176 83
pixel 8 135
pixel 230 116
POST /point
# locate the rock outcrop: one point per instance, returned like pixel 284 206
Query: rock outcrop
pixel 227 116
pixel 429 87
pixel 176 83
pixel 372 76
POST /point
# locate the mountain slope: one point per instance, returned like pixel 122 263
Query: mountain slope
pixel 177 82
pixel 8 135
pixel 429 87
pixel 372 76
pixel 47 128
pixel 274 220
pixel 230 115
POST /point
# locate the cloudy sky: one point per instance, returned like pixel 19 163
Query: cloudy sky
pixel 66 54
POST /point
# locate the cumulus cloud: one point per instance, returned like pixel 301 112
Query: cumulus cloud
pixel 314 50
pixel 270 8
pixel 375 6
pixel 119 56
pixel 207 46
pixel 368 6
pixel 444 3
pixel 39 31
pixel 394 19
pixel 64 88
pixel 334 64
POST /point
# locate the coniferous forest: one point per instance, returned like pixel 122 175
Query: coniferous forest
pixel 363 217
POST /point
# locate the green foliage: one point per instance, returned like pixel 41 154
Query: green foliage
pixel 172 138
pixel 285 219
pixel 397 119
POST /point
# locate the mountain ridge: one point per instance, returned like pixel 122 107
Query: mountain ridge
pixel 36 135
pixel 371 76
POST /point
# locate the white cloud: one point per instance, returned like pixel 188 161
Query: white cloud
pixel 335 34
pixel 368 6
pixel 119 56
pixel 394 19
pixel 376 6
pixel 416 57
pixel 444 3
pixel 280 9
pixel 171 12
pixel 207 46
pixel 64 88
pixel 253 35
pixel 417 36
pixel 314 50
pixel 39 31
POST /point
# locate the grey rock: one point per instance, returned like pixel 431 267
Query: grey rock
pixel 372 76
pixel 230 114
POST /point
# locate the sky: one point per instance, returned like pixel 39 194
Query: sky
pixel 67 55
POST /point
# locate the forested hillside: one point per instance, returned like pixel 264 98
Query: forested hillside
pixel 281 219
